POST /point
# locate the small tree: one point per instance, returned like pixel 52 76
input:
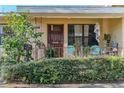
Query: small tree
pixel 19 35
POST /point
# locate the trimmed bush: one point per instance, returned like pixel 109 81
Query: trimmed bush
pixel 50 71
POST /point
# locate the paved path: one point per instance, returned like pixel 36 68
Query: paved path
pixel 96 85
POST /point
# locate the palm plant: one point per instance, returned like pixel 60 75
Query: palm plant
pixel 86 51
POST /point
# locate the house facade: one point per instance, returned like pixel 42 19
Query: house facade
pixel 64 27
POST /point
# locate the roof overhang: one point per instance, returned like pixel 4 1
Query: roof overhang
pixel 77 15
pixel 70 15
pixel 71 11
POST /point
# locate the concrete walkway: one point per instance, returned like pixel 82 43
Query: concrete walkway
pixel 96 85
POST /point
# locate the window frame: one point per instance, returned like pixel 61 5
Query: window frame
pixel 83 37
pixel 1 35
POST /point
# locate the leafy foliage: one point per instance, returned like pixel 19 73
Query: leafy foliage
pixel 86 51
pixel 49 71
pixel 107 37
pixel 50 52
pixel 17 34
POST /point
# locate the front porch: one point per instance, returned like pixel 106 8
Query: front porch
pixel 74 30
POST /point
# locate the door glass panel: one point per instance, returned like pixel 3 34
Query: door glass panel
pixel 55 28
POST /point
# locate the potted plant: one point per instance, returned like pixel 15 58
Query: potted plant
pixel 50 52
pixel 107 38
pixel 86 51
pixel 77 48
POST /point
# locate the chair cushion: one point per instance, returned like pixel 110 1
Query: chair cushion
pixel 70 50
pixel 95 50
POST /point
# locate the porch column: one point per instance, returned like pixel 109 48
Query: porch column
pixel 122 38
pixel 65 39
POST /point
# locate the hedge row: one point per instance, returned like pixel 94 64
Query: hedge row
pixel 49 71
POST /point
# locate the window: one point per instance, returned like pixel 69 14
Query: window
pixel 71 36
pixel 82 34
pixel 1 33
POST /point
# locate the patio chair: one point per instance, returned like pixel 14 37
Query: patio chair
pixel 95 50
pixel 70 51
pixel 114 48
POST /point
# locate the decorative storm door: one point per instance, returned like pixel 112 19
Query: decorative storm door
pixel 56 39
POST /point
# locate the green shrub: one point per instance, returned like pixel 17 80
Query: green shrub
pixel 49 52
pixel 50 71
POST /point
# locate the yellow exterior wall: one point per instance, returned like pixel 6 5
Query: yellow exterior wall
pixel 105 30
pixel 105 25
pixel 2 20
pixel 116 31
pixel 115 26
